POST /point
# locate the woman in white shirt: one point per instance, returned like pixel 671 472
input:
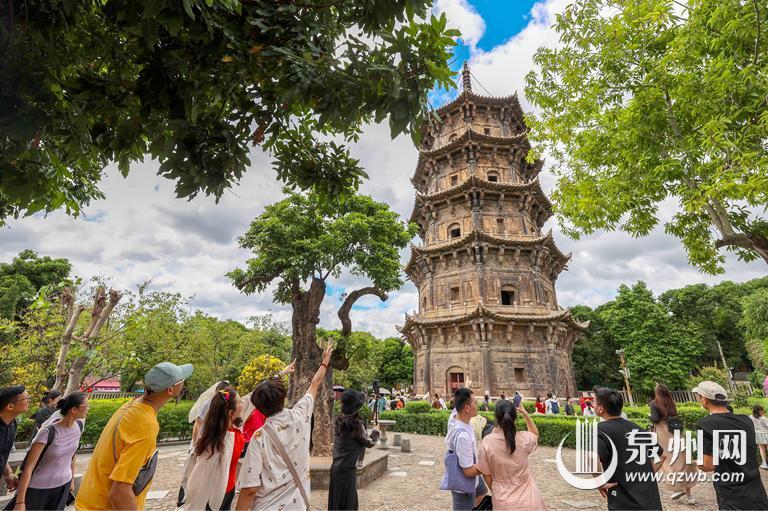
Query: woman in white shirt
pixel 267 482
pixel 761 431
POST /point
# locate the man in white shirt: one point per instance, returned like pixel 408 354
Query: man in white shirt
pixel 266 481
pixel 550 409
pixel 461 439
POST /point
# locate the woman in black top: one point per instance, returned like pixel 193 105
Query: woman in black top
pixel 350 442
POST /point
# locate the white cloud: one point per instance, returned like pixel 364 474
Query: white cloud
pixel 462 15
pixel 141 232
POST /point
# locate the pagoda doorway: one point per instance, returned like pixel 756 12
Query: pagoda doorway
pixel 455 380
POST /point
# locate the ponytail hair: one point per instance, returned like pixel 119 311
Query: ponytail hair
pixel 216 424
pixel 506 417
pixel 73 400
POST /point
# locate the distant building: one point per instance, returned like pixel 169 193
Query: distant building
pixel 92 384
pixel 488 315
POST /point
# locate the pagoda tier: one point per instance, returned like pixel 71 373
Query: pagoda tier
pixel 488 315
pixel 486 199
pixel 524 253
pixel 468 152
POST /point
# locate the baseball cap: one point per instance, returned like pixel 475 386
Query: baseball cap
pixel 165 375
pixel 711 390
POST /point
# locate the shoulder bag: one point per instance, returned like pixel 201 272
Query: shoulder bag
pixel 267 427
pixel 147 472
pixel 455 480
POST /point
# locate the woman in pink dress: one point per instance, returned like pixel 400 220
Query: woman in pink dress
pixel 503 460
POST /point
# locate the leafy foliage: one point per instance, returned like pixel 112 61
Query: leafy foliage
pixel 258 370
pixel 646 102
pixel 301 237
pixel 193 83
pixel 656 349
pixel 755 323
pixel 28 357
pixel 24 276
pixel 594 358
pixel 714 313
pixel 397 363
pixel 365 355
pixel 388 360
pixel 715 374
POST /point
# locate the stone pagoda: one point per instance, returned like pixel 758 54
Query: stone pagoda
pixel 488 315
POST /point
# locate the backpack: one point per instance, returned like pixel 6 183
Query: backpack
pixel 555 406
pixel 48 442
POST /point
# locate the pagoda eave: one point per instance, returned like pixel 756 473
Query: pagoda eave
pixel 563 315
pixel 533 186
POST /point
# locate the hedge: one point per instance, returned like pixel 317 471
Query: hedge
pixel 552 429
pixel 418 407
pixel 172 419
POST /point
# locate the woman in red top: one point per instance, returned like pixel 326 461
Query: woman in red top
pixel 253 423
pixel 211 480
pixel 540 406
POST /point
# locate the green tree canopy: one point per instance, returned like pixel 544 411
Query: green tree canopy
pixel 755 323
pixel 193 83
pixel 655 347
pixel 397 363
pixel 646 101
pixel 302 239
pixel 713 314
pixel 24 276
pixel 594 355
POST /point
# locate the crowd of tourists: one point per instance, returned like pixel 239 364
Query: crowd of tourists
pixel 486 461
pixel 489 469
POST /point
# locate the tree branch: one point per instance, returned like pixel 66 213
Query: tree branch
pixel 349 301
pixel 258 279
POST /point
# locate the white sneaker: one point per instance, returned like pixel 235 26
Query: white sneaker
pixel 764 465
pixel 677 495
pixel 691 501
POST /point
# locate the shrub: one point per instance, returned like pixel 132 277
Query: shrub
pixel 258 369
pixel 418 407
pixel 552 429
pixel 172 419
pixel 365 412
pixel 714 374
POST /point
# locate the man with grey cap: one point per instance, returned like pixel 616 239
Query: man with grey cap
pixel 121 468
pixel 737 476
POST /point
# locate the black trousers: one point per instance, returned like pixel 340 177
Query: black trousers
pixel 38 499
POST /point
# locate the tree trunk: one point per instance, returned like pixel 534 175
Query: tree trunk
pixel 308 355
pixel 73 315
pixel 102 308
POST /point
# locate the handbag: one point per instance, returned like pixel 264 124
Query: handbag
pixel 147 472
pixel 267 427
pixel 485 505
pixel 455 480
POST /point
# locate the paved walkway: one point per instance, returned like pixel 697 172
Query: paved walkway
pixel 413 478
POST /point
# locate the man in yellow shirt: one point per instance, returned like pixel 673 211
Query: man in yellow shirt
pixel 127 443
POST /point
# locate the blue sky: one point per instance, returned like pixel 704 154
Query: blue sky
pixel 503 19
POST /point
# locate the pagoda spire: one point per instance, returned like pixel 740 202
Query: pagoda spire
pixel 465 78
